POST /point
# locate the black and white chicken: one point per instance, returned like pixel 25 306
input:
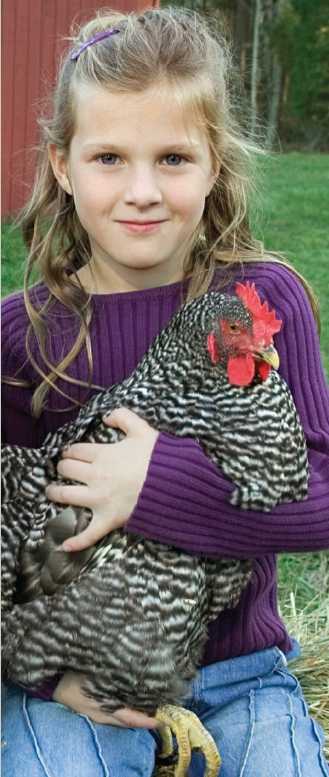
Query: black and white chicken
pixel 129 613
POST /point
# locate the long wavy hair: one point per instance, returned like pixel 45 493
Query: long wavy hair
pixel 173 46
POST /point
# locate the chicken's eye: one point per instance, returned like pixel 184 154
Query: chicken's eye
pixel 234 328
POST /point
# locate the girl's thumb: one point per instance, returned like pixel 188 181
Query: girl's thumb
pixel 85 539
pixel 126 420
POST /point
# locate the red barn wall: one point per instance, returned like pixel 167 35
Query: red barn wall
pixel 31 32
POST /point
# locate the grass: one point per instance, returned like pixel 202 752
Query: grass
pixel 293 221
pixel 13 259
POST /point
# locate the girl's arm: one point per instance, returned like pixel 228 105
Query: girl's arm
pixel 185 499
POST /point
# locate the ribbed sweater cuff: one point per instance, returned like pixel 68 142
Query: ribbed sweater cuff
pixel 180 479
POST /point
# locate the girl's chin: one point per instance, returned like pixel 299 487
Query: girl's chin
pixel 143 263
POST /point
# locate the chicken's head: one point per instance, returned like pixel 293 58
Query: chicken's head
pixel 245 345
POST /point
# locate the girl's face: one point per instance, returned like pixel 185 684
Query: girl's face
pixel 134 160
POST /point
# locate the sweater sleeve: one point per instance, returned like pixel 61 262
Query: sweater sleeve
pixel 17 423
pixel 185 499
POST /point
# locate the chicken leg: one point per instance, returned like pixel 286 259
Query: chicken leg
pixel 190 735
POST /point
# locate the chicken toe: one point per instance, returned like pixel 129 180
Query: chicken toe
pixel 190 735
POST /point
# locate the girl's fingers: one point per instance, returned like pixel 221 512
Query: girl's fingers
pixel 74 470
pixel 80 496
pixel 134 719
pixel 83 451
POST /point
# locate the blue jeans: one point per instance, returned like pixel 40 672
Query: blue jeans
pixel 252 705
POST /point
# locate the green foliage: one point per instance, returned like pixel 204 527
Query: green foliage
pixel 283 34
pixel 309 83
pixel 296 32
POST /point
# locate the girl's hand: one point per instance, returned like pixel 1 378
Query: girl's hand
pixel 68 692
pixel 113 475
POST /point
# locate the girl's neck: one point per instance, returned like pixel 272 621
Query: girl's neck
pixel 95 282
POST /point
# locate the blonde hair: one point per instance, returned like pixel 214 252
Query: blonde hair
pixel 173 46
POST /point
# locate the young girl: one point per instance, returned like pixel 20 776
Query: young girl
pixel 140 202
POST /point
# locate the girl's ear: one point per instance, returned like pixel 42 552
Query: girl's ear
pixel 60 167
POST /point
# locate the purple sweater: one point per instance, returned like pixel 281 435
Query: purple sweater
pixel 184 501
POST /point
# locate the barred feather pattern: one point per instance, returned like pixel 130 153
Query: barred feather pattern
pixel 130 613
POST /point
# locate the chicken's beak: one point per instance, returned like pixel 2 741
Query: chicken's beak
pixel 270 355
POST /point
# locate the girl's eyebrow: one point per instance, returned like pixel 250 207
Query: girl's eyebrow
pixel 106 146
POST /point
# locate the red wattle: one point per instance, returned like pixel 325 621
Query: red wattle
pixel 263 370
pixel 241 370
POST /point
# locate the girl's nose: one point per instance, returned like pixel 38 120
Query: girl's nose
pixel 142 188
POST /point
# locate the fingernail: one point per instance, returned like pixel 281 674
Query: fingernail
pixel 67 547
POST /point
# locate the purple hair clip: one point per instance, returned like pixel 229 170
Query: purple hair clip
pixel 100 36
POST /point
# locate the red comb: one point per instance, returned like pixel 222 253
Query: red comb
pixel 259 310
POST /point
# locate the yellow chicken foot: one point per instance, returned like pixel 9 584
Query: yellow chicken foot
pixel 190 735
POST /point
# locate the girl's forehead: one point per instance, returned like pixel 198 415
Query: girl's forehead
pixel 99 110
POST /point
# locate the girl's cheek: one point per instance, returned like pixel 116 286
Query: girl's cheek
pixel 187 192
pixel 182 199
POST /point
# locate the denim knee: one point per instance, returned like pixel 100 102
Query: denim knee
pixel 260 724
pixel 46 739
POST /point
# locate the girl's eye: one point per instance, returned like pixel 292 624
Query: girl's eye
pixel 107 159
pixel 175 157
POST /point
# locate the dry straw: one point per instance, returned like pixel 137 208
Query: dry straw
pixel 310 626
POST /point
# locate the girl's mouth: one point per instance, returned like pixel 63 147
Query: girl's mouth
pixel 147 226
